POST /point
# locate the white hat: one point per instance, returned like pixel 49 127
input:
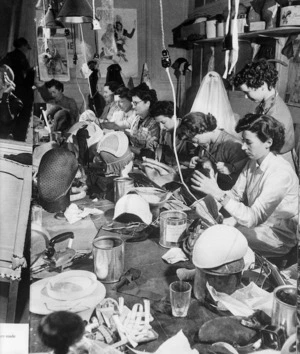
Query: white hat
pixel 218 245
pixel 115 143
pixel 95 133
pixel 131 206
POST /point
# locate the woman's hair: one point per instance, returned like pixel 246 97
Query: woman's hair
pixel 61 329
pixel 255 74
pixel 55 83
pixel 118 23
pixel 163 108
pixel 265 127
pixel 144 93
pixel 197 123
pixel 124 92
pixel 113 86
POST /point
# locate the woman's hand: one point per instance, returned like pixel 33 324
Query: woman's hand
pixel 194 161
pixel 152 144
pixel 206 185
pixel 224 168
pixel 229 221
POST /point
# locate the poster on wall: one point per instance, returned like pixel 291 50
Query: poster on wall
pixel 117 40
pixel 53 59
pixel 293 87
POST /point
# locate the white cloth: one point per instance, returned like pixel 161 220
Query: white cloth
pixel 264 201
pixel 212 98
pixel 124 119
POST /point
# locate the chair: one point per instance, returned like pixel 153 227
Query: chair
pixel 15 195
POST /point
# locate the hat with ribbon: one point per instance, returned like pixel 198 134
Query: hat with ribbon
pixel 115 152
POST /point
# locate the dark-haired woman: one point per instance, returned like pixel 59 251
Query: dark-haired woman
pixel 145 132
pixel 258 80
pixel 223 149
pixel 111 106
pixel 263 203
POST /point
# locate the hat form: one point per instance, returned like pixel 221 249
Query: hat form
pixel 132 207
pixel 115 143
pixel 56 173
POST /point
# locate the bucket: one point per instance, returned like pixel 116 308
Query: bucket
pixel 122 185
pixel 284 308
pixel 211 29
pixel 173 225
pixel 108 254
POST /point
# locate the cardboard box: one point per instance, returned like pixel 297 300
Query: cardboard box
pixel 290 16
pixel 194 28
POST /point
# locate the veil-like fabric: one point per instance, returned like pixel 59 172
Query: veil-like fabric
pixel 212 98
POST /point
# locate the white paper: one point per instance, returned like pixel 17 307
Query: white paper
pixel 14 338
pixel 243 302
pixel 74 214
pixel 174 255
pixel 178 344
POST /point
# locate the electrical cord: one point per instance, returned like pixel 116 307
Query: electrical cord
pixel 166 63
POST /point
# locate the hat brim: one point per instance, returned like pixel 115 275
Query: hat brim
pixel 227 269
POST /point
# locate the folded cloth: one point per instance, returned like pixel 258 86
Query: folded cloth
pixel 74 214
pixel 174 255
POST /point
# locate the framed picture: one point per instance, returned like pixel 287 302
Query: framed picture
pixel 117 40
pixel 53 59
pixel 293 87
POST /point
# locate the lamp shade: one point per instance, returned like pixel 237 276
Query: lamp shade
pixel 50 21
pixel 76 11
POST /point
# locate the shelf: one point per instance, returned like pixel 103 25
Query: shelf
pixel 274 32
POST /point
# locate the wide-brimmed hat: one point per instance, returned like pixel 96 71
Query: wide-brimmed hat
pixel 56 173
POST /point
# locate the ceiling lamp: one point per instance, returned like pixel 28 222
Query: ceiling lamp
pixel 76 11
pixel 50 21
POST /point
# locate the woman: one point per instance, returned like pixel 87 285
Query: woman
pixel 145 132
pixel 218 146
pixel 126 116
pixel 10 105
pixel 263 203
pixel 258 80
pixel 111 106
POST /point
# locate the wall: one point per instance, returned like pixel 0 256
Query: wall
pixel 239 104
pixel 149 44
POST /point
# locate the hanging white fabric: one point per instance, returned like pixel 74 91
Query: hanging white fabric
pixel 212 98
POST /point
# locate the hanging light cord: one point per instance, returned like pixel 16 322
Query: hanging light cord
pixel 175 121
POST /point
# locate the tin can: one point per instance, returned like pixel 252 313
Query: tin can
pixel 284 308
pixel 173 224
pixel 108 254
pixel 122 185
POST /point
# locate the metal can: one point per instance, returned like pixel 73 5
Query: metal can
pixel 122 185
pixel 108 254
pixel 173 225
